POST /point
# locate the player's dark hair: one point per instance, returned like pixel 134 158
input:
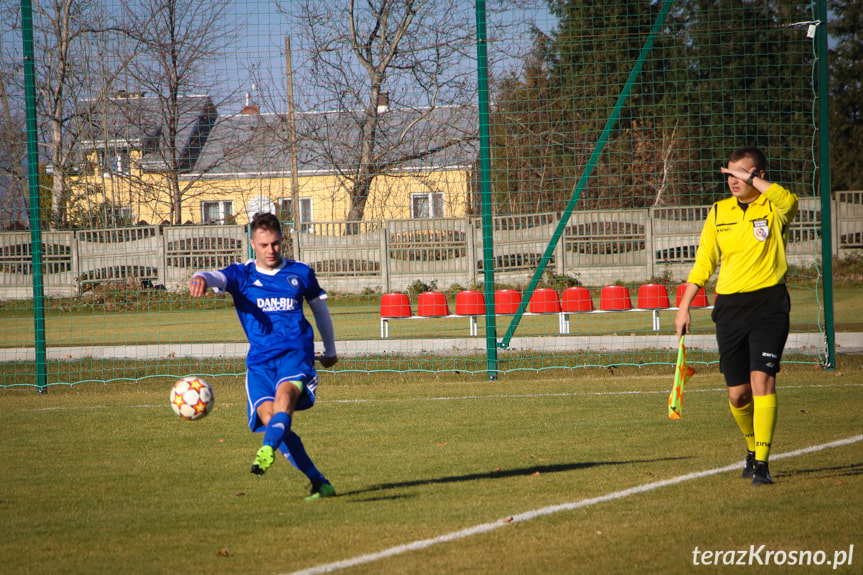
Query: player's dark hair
pixel 754 154
pixel 266 221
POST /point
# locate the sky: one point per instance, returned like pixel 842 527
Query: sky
pixel 264 27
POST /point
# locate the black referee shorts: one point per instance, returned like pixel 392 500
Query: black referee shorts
pixel 751 330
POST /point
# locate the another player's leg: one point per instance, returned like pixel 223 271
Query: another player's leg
pixel 743 415
pixel 764 419
pixel 736 371
pixel 766 342
pixel 259 402
pixel 277 416
pixel 278 424
pixel 293 449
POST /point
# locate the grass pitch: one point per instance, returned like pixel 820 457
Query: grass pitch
pixel 103 478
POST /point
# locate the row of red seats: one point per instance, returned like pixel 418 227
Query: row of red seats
pixel 506 301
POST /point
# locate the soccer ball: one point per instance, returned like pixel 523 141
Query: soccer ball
pixel 192 397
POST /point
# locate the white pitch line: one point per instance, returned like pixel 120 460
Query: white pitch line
pixel 527 516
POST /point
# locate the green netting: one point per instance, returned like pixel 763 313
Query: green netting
pixel 162 126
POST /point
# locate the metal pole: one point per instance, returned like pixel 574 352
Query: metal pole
pixel 292 136
pixel 35 215
pixel 485 193
pixel 824 171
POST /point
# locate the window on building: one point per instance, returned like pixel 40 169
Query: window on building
pixel 217 212
pixel 428 205
pixel 115 216
pixel 115 161
pixel 286 214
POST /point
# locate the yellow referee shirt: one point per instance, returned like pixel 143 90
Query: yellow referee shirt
pixel 750 245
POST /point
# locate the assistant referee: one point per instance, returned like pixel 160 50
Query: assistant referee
pixel 747 233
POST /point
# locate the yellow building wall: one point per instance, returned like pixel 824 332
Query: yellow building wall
pixel 390 196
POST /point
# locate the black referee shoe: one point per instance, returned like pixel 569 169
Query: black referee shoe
pixel 761 476
pixel 749 465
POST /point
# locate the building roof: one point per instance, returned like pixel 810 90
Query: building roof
pixel 257 145
pixel 135 120
pixel 251 144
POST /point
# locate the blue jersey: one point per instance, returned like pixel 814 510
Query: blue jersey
pixel 270 307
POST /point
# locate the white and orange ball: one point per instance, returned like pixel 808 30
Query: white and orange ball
pixel 192 397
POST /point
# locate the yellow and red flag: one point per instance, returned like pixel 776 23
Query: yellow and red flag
pixel 682 372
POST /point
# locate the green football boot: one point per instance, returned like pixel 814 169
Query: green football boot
pixel 320 490
pixel 263 460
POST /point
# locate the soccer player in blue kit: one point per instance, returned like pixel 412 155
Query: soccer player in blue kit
pixel 268 295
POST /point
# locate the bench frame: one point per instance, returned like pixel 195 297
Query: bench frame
pixel 563 318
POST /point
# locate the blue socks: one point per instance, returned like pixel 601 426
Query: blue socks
pixel 292 448
pixel 279 426
pixel 279 434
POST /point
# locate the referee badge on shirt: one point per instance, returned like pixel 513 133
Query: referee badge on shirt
pixel 761 229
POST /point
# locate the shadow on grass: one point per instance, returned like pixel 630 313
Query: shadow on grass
pixel 501 474
pixel 840 471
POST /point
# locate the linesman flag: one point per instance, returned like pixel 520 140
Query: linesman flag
pixel 682 373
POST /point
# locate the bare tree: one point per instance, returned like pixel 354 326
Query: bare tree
pixel 61 28
pixel 178 43
pixel 13 196
pixel 369 60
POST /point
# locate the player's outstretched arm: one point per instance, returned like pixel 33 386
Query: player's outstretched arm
pixel 201 281
pixel 324 323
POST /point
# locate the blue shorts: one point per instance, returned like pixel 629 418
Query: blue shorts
pixel 264 379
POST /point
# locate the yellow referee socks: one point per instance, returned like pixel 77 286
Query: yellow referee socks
pixel 743 417
pixel 764 420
